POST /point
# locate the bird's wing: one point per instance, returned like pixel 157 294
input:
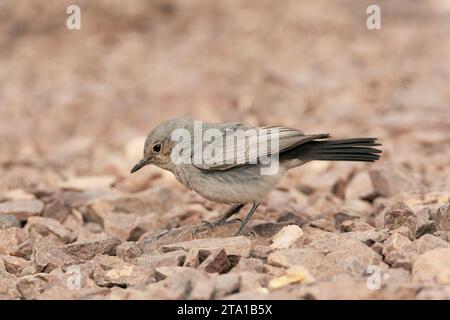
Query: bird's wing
pixel 230 145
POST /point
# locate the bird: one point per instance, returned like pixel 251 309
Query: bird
pixel 227 173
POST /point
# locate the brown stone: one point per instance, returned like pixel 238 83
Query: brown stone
pixel 112 271
pixel 368 237
pixel 315 262
pixel 156 200
pixel 394 242
pixel 128 226
pixel 391 182
pixel 11 239
pixel 226 284
pixel 403 257
pixel 322 223
pixel 360 187
pixel 216 262
pixel 355 225
pixel 8 289
pixel 432 266
pixel 238 246
pixel 261 251
pixel 59 206
pixel 286 237
pixel 150 262
pixel 443 218
pixel 253 280
pixel 22 209
pixel 46 226
pixel 248 264
pixel 32 286
pixel 8 221
pixel 47 255
pixel 87 250
pixel 401 215
pixel 15 265
pixel 356 263
pixel 128 251
pixel 192 258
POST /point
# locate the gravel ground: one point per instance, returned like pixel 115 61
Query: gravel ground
pixel 75 107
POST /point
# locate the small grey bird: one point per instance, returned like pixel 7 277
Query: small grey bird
pixel 234 177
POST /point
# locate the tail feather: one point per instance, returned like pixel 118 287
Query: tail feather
pixel 356 149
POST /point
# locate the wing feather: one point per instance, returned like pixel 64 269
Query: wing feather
pixel 238 144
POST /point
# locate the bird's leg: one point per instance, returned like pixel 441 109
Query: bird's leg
pixel 230 212
pixel 247 219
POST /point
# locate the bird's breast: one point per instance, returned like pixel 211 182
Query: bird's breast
pixel 238 185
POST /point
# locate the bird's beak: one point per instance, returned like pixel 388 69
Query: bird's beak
pixel 140 164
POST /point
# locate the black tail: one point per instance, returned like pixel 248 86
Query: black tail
pixel 357 149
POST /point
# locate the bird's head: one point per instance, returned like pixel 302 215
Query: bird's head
pixel 158 145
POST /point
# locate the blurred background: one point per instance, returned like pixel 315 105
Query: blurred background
pixel 80 102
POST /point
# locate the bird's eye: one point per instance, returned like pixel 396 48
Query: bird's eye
pixel 157 147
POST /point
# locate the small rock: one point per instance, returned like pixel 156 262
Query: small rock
pixel 323 204
pixel 368 237
pixel 433 266
pixel 357 207
pixel 113 271
pixel 292 218
pixel 202 291
pixel 15 265
pixel 154 200
pixel 293 275
pixel 128 251
pixel 30 287
pixel 323 224
pixel 267 229
pixel 8 287
pixel 360 187
pixel 47 255
pixel 442 218
pixel 400 215
pixel 192 258
pixel 248 264
pixel 21 209
pixel 216 262
pixel 356 263
pixel 253 281
pixel 87 182
pixel 225 284
pixel 47 226
pixel 434 293
pixel 394 242
pixel 273 271
pixel 162 273
pixel 87 250
pixel 9 221
pixel 11 239
pixel 317 263
pixel 391 182
pixel 286 237
pixel 170 259
pixel 403 257
pixel 355 225
pixel 378 248
pixel 128 226
pixel 261 251
pixel 237 246
pixel 60 205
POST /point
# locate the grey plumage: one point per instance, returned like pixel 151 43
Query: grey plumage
pixel 236 179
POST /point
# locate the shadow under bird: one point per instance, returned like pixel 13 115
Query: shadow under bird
pixel 237 179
